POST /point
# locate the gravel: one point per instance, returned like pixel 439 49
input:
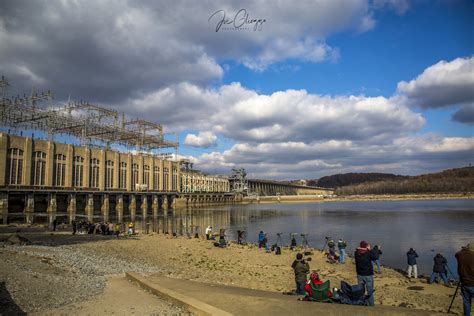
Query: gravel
pixel 43 277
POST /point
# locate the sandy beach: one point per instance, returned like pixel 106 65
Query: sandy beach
pixel 82 265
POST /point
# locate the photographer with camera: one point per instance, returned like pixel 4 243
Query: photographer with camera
pixel 301 269
pixel 365 270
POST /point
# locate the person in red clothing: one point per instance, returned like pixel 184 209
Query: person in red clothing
pixel 314 279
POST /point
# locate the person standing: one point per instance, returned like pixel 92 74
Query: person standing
pixel 74 227
pixel 377 252
pixel 208 232
pixel 465 258
pixel 301 268
pixel 341 245
pixel 439 268
pixel 365 271
pixel 261 239
pixel 411 259
pixel 55 223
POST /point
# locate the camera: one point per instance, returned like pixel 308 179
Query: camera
pixel 303 235
pixel 327 238
pixel 278 234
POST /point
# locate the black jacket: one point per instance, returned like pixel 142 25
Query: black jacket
pixel 363 259
pixel 439 264
pixel 377 252
pixel 411 257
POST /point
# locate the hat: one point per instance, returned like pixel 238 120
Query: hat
pixel 363 244
pixel 314 276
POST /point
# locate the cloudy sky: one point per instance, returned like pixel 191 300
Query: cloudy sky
pixel 284 89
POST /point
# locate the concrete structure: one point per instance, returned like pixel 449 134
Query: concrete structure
pixel 43 180
pixel 273 188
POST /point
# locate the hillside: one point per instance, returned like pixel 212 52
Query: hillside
pixel 452 180
pixel 340 180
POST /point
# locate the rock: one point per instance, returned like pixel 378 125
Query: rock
pixel 16 239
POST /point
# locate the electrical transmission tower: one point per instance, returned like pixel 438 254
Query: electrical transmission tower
pixel 238 180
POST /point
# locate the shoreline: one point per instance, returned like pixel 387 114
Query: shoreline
pixel 289 199
pixel 195 259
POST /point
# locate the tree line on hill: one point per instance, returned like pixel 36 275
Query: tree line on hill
pixel 459 180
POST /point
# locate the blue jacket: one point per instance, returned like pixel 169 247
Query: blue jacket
pixel 411 257
pixel 261 237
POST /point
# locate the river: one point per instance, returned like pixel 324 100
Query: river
pixel 429 226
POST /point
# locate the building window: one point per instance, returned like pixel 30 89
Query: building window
pixel 135 176
pixel 174 179
pixel 14 166
pixel 146 175
pixel 165 179
pixel 123 175
pixel 156 178
pixel 39 167
pixel 109 174
pixel 59 171
pixel 77 171
pixel 94 174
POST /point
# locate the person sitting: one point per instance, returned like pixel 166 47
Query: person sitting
pixel 312 285
pixel 222 241
pixel 332 256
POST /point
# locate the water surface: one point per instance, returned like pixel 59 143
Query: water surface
pixel 429 226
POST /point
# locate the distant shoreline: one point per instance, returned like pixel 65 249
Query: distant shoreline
pixel 287 199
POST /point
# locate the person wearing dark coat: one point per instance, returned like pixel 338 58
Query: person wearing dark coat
pixel 377 252
pixel 74 227
pixel 439 269
pixel 411 259
pixel 465 259
pixel 301 269
pixel 365 271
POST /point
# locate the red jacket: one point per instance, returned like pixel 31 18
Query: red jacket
pixel 307 287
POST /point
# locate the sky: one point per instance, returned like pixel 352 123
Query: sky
pixel 284 89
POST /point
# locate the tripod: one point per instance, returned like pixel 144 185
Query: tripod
pixel 278 242
pixel 454 296
pixel 304 243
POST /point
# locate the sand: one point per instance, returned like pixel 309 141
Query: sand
pixel 245 266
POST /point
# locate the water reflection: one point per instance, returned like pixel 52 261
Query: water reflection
pixel 428 226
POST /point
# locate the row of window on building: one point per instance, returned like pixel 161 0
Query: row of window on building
pixel 15 161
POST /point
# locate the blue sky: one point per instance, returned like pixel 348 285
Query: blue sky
pixel 324 87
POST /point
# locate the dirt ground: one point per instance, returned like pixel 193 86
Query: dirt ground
pixel 198 259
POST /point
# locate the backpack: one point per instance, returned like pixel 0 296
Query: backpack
pixel 278 250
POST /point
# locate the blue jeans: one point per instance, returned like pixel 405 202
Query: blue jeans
pixel 377 262
pixel 438 274
pixel 342 255
pixel 467 293
pixel 368 282
pixel 300 287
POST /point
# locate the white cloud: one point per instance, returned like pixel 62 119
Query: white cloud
pixel 292 115
pixel 405 155
pixel 129 48
pixel 203 140
pixel 442 84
